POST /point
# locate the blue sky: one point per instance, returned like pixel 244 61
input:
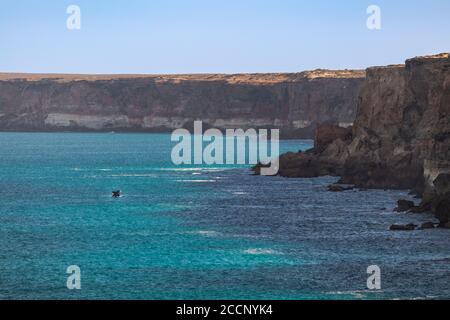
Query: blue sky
pixel 216 36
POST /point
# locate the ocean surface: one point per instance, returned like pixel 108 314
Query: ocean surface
pixel 196 232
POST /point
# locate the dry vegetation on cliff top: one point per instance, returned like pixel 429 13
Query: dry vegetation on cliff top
pixel 248 78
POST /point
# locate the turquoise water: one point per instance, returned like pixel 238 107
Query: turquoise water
pixel 196 232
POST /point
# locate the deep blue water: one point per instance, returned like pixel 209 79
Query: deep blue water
pixel 196 233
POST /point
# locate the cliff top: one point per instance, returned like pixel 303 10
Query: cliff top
pixel 444 55
pixel 249 78
pixel 419 59
pixel 244 78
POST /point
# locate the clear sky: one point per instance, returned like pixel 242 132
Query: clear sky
pixel 216 36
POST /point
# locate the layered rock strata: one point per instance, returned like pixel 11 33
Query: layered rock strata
pixel 295 102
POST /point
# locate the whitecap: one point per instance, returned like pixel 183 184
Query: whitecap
pixel 196 181
pixel 192 169
pixel 180 169
pixel 206 233
pixel 260 251
pixel 134 175
pixel 358 294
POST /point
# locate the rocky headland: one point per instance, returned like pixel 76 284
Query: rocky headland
pixel 295 103
pixel 400 138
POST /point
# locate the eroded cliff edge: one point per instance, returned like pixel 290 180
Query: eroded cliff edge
pixel 295 102
pixel 400 138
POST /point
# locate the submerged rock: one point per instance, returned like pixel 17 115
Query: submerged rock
pixel 427 225
pixel 423 207
pixel 400 227
pixel 404 205
pixel 337 188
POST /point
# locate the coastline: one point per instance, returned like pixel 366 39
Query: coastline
pixel 400 138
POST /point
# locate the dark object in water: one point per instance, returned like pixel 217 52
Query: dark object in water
pixel 400 227
pixel 337 188
pixel 427 225
pixel 116 194
pixel 404 205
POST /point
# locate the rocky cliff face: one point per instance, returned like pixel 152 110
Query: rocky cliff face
pixel 402 129
pixel 295 103
pixel 400 138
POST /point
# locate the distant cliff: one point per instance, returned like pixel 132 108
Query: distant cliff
pixel 400 138
pixel 295 103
